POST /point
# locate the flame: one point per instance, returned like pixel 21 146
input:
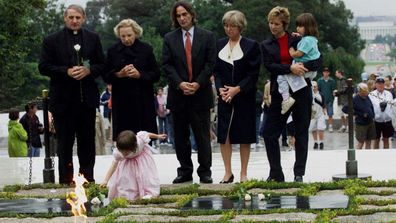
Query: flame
pixel 77 198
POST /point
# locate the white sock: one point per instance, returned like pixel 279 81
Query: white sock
pixel 320 141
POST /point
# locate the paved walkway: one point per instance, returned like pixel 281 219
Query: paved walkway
pixel 321 164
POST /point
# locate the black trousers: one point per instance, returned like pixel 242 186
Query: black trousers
pixel 80 123
pixel 276 122
pixel 200 124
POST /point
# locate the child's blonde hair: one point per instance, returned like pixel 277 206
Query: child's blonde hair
pixel 126 141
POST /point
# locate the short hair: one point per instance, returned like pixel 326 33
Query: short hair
pixel 235 18
pixel 314 83
pixel 126 141
pixel 340 71
pixel 137 29
pixel 30 105
pixel 13 114
pixel 76 7
pixel 189 8
pixel 307 20
pixel 362 86
pixel 281 13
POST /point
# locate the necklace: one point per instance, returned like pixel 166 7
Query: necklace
pixel 232 44
pixel 230 52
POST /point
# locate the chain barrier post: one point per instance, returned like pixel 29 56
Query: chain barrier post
pixel 351 163
pixel 48 172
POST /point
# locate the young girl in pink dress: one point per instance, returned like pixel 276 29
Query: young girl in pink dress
pixel 133 173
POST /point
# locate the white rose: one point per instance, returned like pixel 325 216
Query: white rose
pixel 260 197
pixel 77 47
pixel 148 196
pixel 95 201
pixel 248 197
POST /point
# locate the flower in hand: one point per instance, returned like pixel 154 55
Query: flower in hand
pixel 77 47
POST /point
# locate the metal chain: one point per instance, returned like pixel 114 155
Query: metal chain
pixel 30 167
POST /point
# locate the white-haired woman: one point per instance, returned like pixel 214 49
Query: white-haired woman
pixel 131 68
pixel 236 72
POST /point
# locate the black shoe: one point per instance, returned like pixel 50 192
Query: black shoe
pixel 284 143
pixel 182 179
pixel 298 179
pixel 276 179
pixel 206 180
pixel 315 146
pixel 321 146
pixel 230 180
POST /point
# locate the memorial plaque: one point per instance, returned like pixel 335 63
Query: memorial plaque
pixel 287 202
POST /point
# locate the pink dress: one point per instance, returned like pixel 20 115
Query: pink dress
pixel 136 174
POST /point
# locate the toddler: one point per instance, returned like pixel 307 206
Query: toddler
pixel 307 50
pixel 133 173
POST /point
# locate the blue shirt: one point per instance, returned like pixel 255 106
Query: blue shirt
pixel 363 110
pixel 309 46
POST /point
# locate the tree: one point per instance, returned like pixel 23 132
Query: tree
pixel 14 36
pixel 392 54
pixel 338 59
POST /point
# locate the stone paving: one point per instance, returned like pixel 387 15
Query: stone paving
pixel 321 166
pixel 170 212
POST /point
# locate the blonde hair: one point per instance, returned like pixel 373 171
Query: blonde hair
pixel 235 18
pixel 137 29
pixel 281 13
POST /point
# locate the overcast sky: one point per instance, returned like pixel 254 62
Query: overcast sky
pixel 358 7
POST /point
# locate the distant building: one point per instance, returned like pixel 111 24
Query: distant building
pixel 369 30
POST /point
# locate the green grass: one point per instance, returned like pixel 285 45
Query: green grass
pixel 179 196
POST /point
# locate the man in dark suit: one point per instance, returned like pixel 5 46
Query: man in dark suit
pixel 188 58
pixel 73 58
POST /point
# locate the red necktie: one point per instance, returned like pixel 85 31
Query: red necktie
pixel 187 48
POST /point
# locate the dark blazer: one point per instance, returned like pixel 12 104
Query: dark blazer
pixel 241 112
pixel 271 59
pixel 175 67
pixel 31 125
pixel 132 99
pixel 57 56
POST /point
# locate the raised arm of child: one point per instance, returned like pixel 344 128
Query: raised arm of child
pixel 109 173
pixel 157 136
pixel 295 53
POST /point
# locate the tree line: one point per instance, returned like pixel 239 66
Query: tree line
pixel 27 22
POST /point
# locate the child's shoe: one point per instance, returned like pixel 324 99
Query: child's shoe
pixel 287 104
